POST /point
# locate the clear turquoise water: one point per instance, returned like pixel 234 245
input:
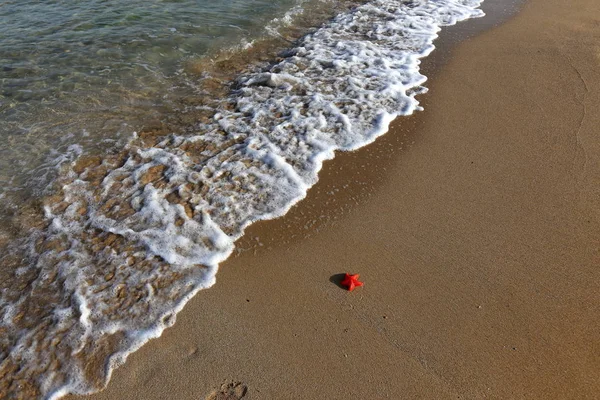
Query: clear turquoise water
pixel 88 73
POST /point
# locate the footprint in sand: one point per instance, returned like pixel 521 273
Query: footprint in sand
pixel 229 391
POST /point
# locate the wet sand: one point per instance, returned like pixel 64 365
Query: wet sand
pixel 475 226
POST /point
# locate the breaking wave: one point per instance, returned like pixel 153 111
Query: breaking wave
pixel 131 236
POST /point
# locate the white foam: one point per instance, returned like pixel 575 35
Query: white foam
pixel 274 27
pixel 339 89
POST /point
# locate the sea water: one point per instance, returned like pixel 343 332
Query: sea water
pixel 132 218
pixel 90 72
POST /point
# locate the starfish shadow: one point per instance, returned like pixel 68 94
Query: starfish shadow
pixel 337 280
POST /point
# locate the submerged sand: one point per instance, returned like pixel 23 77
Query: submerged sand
pixel 475 226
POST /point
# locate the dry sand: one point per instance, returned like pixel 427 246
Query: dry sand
pixel 475 226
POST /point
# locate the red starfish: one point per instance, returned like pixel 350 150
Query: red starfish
pixel 351 282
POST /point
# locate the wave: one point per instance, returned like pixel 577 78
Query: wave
pixel 130 237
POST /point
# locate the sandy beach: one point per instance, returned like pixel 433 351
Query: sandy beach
pixel 475 226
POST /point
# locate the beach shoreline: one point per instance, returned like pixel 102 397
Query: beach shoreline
pixel 474 225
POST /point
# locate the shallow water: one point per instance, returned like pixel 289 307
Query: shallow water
pixel 137 223
pixel 79 76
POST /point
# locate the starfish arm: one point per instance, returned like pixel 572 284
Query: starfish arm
pixel 351 281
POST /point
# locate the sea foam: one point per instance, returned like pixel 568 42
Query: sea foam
pixel 132 237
